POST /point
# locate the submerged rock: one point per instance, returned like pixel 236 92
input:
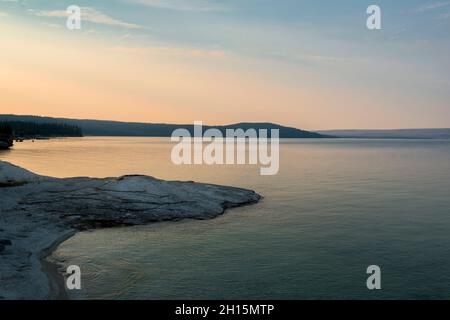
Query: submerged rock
pixel 37 211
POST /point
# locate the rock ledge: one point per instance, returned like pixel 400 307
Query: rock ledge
pixel 36 212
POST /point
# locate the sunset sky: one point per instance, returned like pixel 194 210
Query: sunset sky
pixel 308 64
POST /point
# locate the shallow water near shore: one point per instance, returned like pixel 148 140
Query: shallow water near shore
pixel 336 207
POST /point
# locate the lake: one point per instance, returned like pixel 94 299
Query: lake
pixel 334 208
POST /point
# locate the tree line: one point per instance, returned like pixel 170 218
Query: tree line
pixel 21 129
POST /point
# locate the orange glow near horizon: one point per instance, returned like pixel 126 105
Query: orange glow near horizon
pixel 48 73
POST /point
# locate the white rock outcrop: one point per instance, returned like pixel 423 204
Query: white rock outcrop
pixel 38 212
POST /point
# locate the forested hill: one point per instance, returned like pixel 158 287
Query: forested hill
pixel 115 128
pixel 30 129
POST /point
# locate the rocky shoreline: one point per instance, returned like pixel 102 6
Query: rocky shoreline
pixel 37 213
pixel 6 141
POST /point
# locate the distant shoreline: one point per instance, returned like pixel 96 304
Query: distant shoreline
pixel 140 129
pixel 281 139
pixel 110 128
pixel 422 134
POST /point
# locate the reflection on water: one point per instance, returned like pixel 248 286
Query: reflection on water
pixel 336 207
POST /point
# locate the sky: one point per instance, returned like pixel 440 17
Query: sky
pixel 308 64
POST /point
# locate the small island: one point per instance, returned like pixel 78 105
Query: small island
pixel 37 213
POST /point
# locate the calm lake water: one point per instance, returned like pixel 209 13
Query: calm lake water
pixel 336 207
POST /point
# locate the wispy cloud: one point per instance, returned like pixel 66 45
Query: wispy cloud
pixel 3 14
pixel 184 5
pixel 89 14
pixel 433 6
pixel 174 51
pixel 51 25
